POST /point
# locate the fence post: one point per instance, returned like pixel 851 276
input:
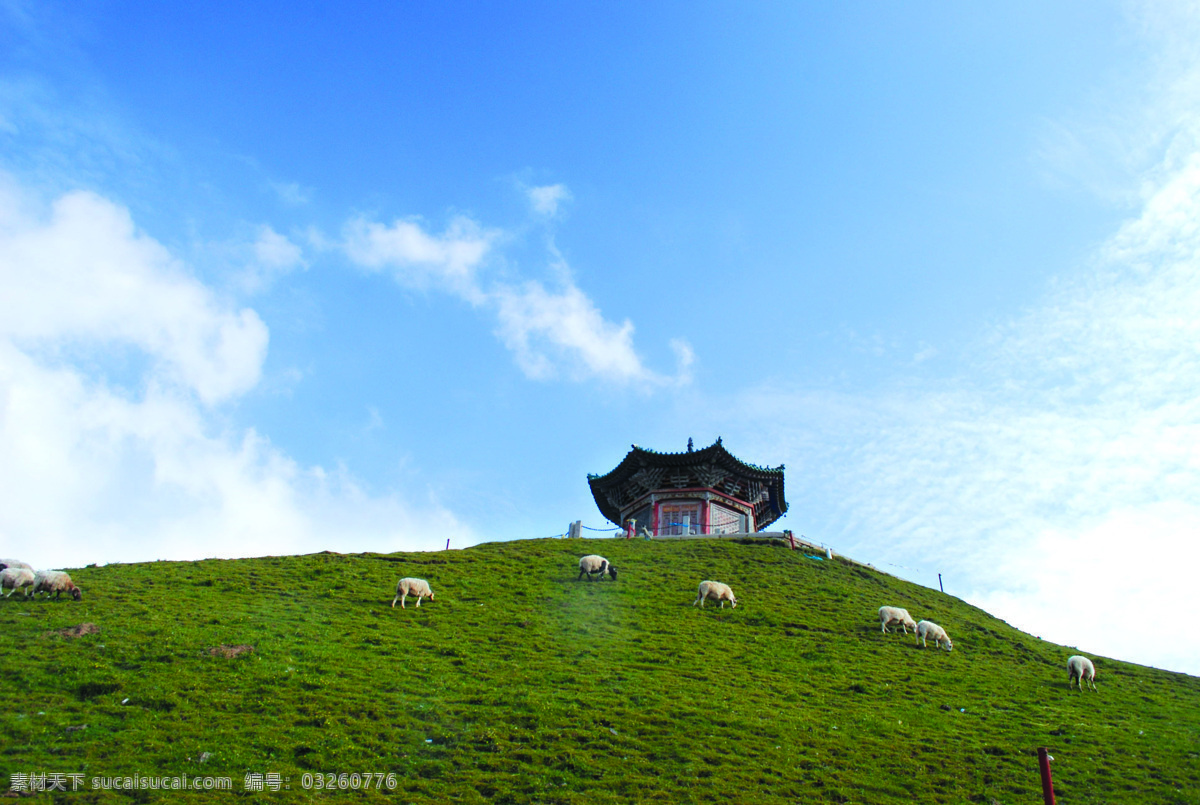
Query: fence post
pixel 1044 767
pixel 791 538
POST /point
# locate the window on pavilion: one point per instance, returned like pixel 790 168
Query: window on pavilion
pixel 676 519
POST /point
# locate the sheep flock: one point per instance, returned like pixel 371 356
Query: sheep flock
pixel 1079 668
pixel 17 575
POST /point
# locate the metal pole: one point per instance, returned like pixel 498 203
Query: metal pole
pixel 940 587
pixel 1047 783
pixel 447 544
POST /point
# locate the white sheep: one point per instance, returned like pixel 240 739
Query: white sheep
pixel 930 629
pixel 7 563
pixel 716 591
pixel 595 564
pixel 895 616
pixel 14 578
pixel 55 581
pixel 406 587
pixel 1080 668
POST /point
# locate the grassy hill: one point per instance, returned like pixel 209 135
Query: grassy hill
pixel 520 684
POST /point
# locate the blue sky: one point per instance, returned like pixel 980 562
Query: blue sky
pixel 287 278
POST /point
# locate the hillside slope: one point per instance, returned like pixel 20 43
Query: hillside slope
pixel 520 684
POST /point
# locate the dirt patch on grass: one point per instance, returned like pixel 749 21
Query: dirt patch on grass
pixel 230 651
pixel 75 631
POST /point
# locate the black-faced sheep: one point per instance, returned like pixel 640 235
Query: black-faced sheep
pixel 7 563
pixel 14 578
pixel 57 582
pixel 930 629
pixel 595 564
pixel 895 616
pixel 1080 668
pixel 406 587
pixel 715 591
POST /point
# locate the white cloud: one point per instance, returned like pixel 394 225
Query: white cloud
pixel 685 356
pixel 83 274
pixel 273 256
pixel 551 332
pixel 1059 471
pixel 95 471
pixel 1137 564
pixel 554 332
pixel 88 474
pixel 1124 136
pixel 420 260
pixel 925 353
pixel 545 200
pixel 374 420
pixel 275 250
pixel 541 327
pixel 291 193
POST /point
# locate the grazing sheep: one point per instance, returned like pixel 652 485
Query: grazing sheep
pixel 595 564
pixel 716 591
pixel 57 582
pixel 1080 668
pixel 7 563
pixel 406 587
pixel 930 629
pixel 893 616
pixel 14 578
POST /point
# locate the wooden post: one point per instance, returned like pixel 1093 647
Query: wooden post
pixel 791 539
pixel 1047 783
pixel 447 544
pixel 940 587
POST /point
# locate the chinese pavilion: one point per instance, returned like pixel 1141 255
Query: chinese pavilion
pixel 706 491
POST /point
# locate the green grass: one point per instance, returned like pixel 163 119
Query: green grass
pixel 520 684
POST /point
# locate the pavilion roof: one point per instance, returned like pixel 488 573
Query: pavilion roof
pixel 635 475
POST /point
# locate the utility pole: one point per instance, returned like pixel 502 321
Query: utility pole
pixel 1044 759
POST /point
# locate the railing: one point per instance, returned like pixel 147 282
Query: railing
pixel 786 537
pixel 690 529
pixel 575 530
pixel 698 534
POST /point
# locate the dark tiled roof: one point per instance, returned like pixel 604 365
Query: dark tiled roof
pixel 715 455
